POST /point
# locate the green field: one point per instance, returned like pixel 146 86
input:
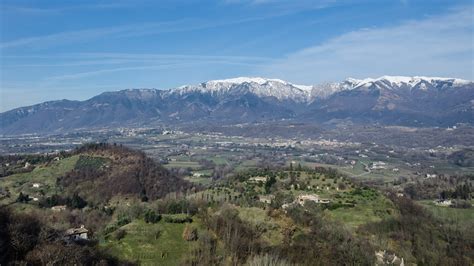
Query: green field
pixel 182 164
pixel 453 216
pixel 218 160
pixel 141 245
pixel 199 180
pixel 365 211
pixel 245 165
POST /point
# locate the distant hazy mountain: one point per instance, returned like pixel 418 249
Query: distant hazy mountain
pixel 418 101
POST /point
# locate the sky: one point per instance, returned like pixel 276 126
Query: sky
pixel 67 49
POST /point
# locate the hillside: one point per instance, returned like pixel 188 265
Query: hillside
pixel 95 172
pixel 414 101
pixel 136 211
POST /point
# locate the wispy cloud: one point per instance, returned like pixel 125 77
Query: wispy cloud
pixel 92 59
pixel 440 45
pixel 163 66
pixel 123 31
pixel 103 71
pixel 281 9
pixel 286 5
pixel 63 7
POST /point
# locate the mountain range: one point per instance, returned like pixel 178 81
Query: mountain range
pixel 391 100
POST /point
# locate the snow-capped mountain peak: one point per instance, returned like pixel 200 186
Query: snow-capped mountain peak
pixel 258 80
pixel 283 90
pixel 263 87
pixel 399 81
pixel 240 80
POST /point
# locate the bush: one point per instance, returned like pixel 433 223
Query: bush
pixel 123 220
pixel 190 233
pixel 110 228
pixel 152 217
pixel 23 198
pixel 119 234
pixel 76 202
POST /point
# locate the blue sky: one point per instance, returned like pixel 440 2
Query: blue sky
pixel 77 49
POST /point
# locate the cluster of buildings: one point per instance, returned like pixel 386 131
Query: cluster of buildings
pixel 302 199
pixel 378 165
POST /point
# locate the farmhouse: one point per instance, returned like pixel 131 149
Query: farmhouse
pixel 58 208
pixel 257 179
pixel 378 165
pixel 301 199
pixel 76 234
pixel 430 176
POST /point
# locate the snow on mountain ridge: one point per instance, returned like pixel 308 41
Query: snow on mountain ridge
pixel 284 90
pixel 258 80
pixel 405 80
pixel 277 88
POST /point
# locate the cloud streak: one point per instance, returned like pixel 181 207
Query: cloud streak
pixel 163 66
pixel 130 30
pixel 35 10
pixel 91 59
pixel 441 46
pixel 121 31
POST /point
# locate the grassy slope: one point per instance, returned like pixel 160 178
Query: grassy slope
pixel 272 227
pixel 453 216
pixel 364 212
pixel 140 244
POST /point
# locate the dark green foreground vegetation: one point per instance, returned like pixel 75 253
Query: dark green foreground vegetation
pixel 137 212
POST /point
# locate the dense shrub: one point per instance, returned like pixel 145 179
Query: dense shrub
pixel 22 198
pixel 240 239
pixel 327 242
pixel 190 233
pixel 123 220
pixel 152 217
pixel 205 252
pixel 178 220
pixel 119 234
pixel 74 202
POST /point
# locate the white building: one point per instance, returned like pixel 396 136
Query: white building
pixel 301 199
pixel 76 234
pixel 257 179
